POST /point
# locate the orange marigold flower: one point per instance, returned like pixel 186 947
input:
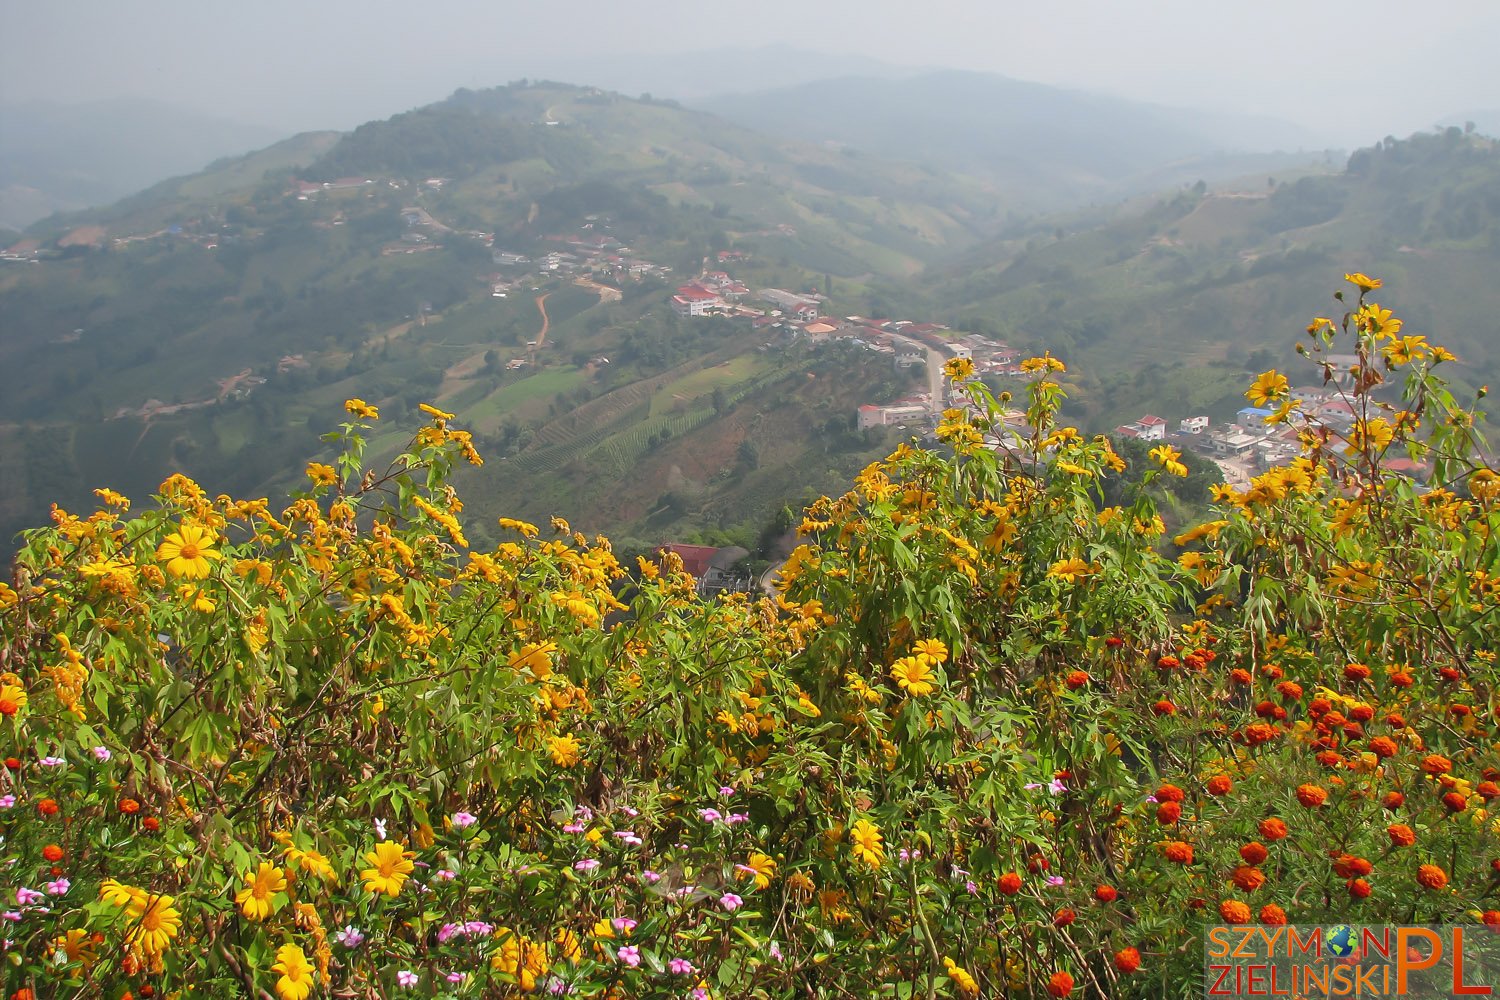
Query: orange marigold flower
pixel 1455 802
pixel 1401 835
pixel 1311 796
pixel 1488 790
pixel 1258 733
pixel 1164 707
pixel 1063 917
pixel 1319 706
pixel 1234 912
pixel 1362 713
pixel 1290 690
pixel 1010 883
pixel 1168 663
pixel 1402 679
pixel 1393 800
pixel 1383 746
pixel 1356 672
pixel 1240 675
pixel 47 807
pixel 1176 850
pixel 1106 894
pixel 1219 784
pixel 129 807
pixel 1254 852
pixel 1060 985
pixel 1168 813
pixel 1491 918
pixel 1076 679
pixel 1170 793
pixel 1248 877
pixel 1127 960
pixel 1431 877
pixel 1272 914
pixel 53 853
pixel 1272 828
pixel 1436 763
pixel 1358 888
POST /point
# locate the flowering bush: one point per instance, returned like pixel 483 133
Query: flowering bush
pixel 990 737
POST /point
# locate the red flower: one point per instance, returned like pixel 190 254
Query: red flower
pixel 1358 888
pixel 1240 676
pixel 1491 918
pixel 1402 679
pixel 1128 960
pixel 47 807
pixel 53 853
pixel 12 763
pixel 1010 883
pixel 1167 663
pixel 1170 793
pixel 1311 796
pixel 1164 707
pixel 1449 673
pixel 1254 852
pixel 1063 917
pixel 1076 680
pixel 1362 713
pixel 1356 672
pixel 1219 784
pixel 1178 851
pixel 151 824
pixel 1401 835
pixel 1272 828
pixel 129 807
pixel 1383 746
pixel 1114 642
pixel 1259 732
pixel 1248 877
pixel 1396 719
pixel 1455 802
pixel 1431 877
pixel 1060 985
pixel 1168 813
pixel 1290 690
pixel 1435 763
pixel 1106 894
pixel 1234 912
pixel 1272 914
pixel 1330 758
pixel 1393 800
pixel 1319 706
pixel 1488 790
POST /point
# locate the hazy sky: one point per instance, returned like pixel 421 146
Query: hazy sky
pixel 1355 70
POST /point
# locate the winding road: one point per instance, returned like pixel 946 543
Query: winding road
pixel 541 307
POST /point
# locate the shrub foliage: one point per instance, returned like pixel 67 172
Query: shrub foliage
pixel 990 736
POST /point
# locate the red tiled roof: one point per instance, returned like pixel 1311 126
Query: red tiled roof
pixel 695 558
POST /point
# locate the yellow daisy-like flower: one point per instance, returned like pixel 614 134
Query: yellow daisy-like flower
pixel 359 408
pixel 188 551
pixel 256 900
pixel 958 368
pixel 536 657
pixel 322 475
pixel 1069 570
pixel 391 865
pixel 764 868
pixel 1363 283
pixel 154 922
pixel 1267 386
pixel 310 861
pixel 12 698
pixel 296 980
pixel 933 648
pixel 1168 457
pixel 914 675
pixel 866 843
pixel 565 750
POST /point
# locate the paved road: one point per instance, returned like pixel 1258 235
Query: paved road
pixel 935 360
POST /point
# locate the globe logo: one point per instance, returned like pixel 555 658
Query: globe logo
pixel 1339 940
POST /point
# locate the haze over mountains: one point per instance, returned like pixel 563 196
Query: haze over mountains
pixel 510 254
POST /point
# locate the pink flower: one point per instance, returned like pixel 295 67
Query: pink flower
pixel 586 865
pixel 725 790
pixel 445 875
pixel 573 828
pixel 680 967
pixel 629 837
pixel 737 818
pixel 775 951
pixel 59 888
pixel 1054 880
pixel 407 978
pixel 731 902
pixel 623 924
pixel 650 877
pixel 630 955
pixel 463 820
pixel 456 977
pixel 6 801
pixel 710 815
pixel 25 896
pixel 101 754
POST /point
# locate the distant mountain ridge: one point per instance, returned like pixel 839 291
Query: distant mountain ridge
pixel 1065 146
pixel 62 157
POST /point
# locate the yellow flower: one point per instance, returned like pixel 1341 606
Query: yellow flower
pixel 961 979
pixel 866 840
pixel 12 697
pixel 536 657
pixel 958 368
pixel 188 550
pixel 1373 434
pixel 296 980
pixel 119 894
pixel 1363 283
pixel 1044 363
pixel 310 861
pixel 433 411
pixel 361 409
pixel 933 648
pixel 565 750
pixel 568 946
pixel 526 528
pixel 77 945
pixel 914 675
pixel 255 900
pixel 1069 570
pixel 1168 457
pixel 1267 386
pixel 154 922
pixel 322 475
pixel 391 866
pixel 764 868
